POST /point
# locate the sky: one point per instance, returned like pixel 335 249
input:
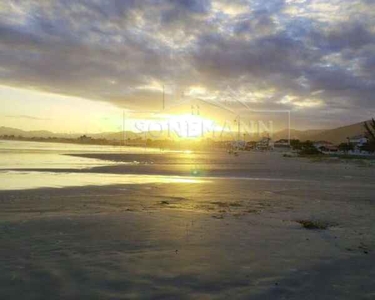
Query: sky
pixel 77 65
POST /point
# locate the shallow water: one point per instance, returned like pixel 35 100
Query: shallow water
pixel 13 180
pixel 36 155
pixel 28 165
pixel 17 155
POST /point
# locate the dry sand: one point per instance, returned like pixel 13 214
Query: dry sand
pixel 224 238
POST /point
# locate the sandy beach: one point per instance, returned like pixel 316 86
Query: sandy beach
pixel 233 232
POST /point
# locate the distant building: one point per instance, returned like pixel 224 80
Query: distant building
pixel 265 144
pixel 325 146
pixel 282 144
pixel 250 145
pixel 85 139
pixel 358 142
pixel 240 145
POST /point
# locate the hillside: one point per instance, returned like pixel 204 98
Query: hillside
pixel 336 136
pixel 297 134
pixel 340 135
pixel 27 134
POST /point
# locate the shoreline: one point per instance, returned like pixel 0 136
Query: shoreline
pixel 290 228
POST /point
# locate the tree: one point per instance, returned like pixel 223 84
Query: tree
pixel 370 130
pixel 308 148
pixel 346 147
pixel 370 134
pixel 295 144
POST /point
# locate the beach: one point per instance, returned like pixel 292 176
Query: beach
pixel 184 225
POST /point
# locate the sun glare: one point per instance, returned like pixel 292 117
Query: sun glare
pixel 189 126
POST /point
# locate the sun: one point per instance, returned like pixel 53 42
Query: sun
pixel 189 126
pixel 187 118
pixel 175 127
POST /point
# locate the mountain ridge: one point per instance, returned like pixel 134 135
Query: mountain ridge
pixel 335 135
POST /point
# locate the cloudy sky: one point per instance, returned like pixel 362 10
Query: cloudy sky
pixel 75 65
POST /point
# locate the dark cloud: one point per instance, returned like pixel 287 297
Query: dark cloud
pixel 114 50
pixel 195 6
pixel 344 36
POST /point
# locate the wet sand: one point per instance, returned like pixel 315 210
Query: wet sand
pixel 223 238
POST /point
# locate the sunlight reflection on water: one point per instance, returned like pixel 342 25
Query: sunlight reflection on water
pixel 13 180
pixel 36 155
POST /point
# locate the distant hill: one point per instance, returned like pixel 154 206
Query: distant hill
pixel 339 135
pixel 302 135
pixel 28 134
pixel 46 134
pixel 114 135
pixel 336 136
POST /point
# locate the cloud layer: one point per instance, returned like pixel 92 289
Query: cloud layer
pixel 313 57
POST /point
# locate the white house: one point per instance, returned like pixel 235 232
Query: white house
pixel 358 142
pixel 282 144
pixel 325 146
